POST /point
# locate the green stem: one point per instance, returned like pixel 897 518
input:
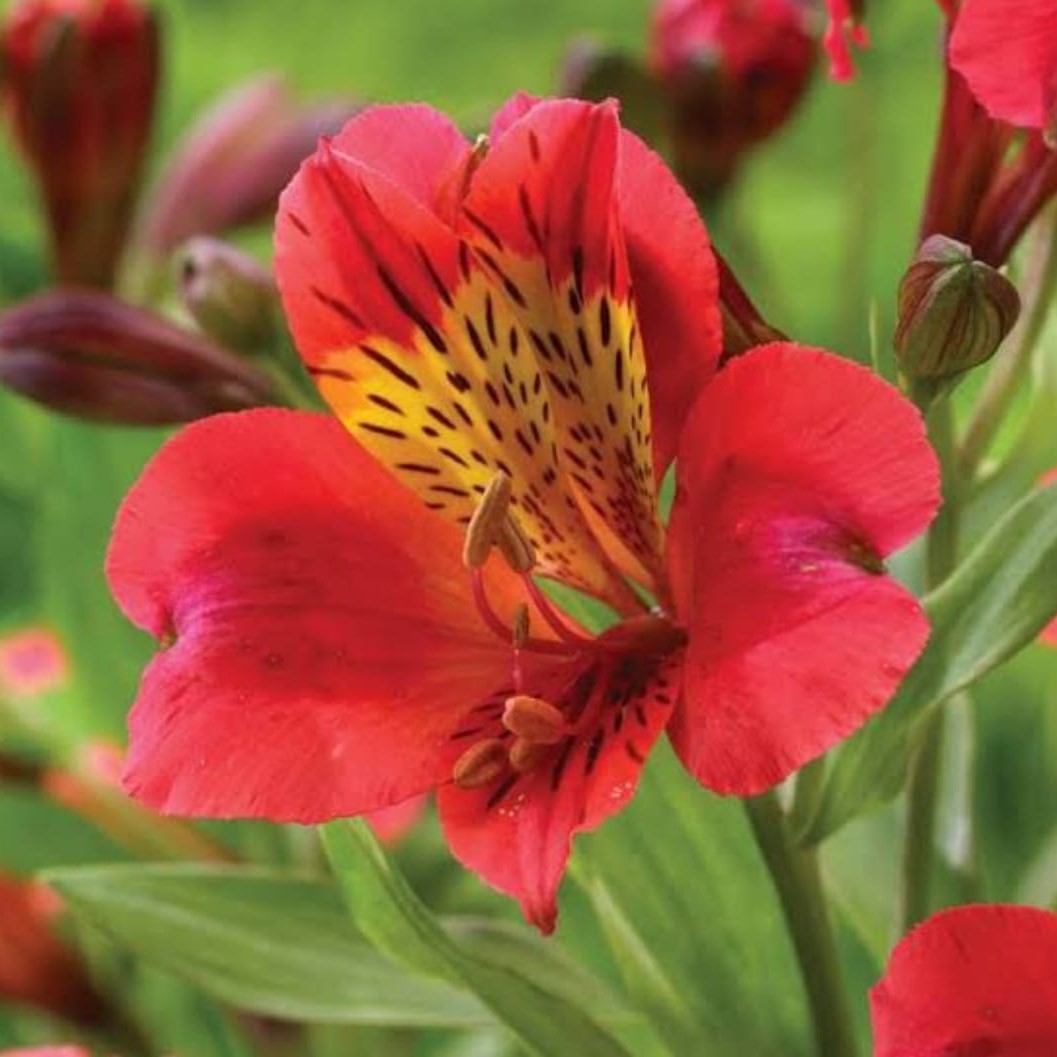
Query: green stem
pixel 1010 367
pixel 795 873
pixel 923 790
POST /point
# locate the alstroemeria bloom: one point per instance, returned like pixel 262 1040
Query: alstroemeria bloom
pixel 519 338
pixel 973 981
pixel 1007 52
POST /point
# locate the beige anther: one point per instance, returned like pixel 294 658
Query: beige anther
pixel 535 720
pixel 480 764
pixel 526 755
pixel 487 524
pixel 515 547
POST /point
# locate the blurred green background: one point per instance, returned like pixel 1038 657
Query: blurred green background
pixel 820 228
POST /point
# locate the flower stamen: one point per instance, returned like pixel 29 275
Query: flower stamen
pixel 480 764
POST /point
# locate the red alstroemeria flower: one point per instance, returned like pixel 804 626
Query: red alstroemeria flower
pixel 971 982
pixel 539 311
pixel 1007 52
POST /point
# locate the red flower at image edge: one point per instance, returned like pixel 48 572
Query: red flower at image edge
pixel 47 1051
pixel 973 981
pixel 545 309
pixel 1007 52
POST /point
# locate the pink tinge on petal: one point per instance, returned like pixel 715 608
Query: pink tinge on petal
pixel 32 662
pixel 392 824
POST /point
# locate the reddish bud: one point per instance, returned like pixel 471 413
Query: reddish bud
pixel 736 70
pixel 233 163
pixel 89 355
pixel 35 968
pixel 78 87
pixel 231 296
pixel 953 313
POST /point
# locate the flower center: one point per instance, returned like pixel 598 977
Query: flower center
pixel 517 731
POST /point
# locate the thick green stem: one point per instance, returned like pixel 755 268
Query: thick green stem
pixel 923 791
pixel 796 877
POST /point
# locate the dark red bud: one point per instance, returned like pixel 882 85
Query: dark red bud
pixel 735 74
pixel 78 89
pixel 86 354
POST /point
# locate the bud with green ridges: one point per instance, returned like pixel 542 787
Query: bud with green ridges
pixel 953 313
pixel 231 296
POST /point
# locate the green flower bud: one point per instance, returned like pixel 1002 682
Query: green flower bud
pixel 953 313
pixel 230 295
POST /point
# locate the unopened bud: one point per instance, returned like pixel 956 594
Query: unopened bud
pixel 78 90
pixel 89 355
pixel 535 720
pixel 734 74
pixel 230 295
pixel 231 167
pixel 953 313
pixel 590 71
pixel 480 764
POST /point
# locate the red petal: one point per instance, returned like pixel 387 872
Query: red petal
pixel 517 834
pixel 420 354
pixel 325 636
pixel 971 982
pixel 414 146
pixel 798 472
pixel 1007 51
pixel 673 274
pixel 544 210
pixel 676 287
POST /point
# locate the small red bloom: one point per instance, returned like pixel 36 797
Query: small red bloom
pixel 520 337
pixel 35 968
pixel 736 70
pixel 974 981
pixel 78 86
pixel 1007 51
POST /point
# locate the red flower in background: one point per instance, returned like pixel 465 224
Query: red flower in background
pixel 519 337
pixel 47 1051
pixel 843 31
pixel 1007 52
pixel 973 981
pixel 35 968
pixel 77 86
pixel 736 71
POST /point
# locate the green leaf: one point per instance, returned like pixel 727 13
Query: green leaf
pixel 995 603
pixel 694 921
pixel 264 942
pixel 533 994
